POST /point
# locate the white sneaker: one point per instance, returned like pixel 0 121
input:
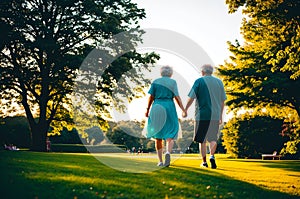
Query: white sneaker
pixel 160 164
pixel 204 164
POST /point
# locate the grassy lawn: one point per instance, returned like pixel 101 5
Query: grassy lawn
pixel 61 175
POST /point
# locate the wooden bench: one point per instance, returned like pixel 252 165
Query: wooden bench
pixel 273 156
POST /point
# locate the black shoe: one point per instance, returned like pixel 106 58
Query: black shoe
pixel 167 160
pixel 213 163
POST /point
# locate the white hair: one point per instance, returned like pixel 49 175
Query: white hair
pixel 166 71
pixel 207 69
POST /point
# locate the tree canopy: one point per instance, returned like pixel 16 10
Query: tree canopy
pixel 266 68
pixel 43 44
pixel 263 72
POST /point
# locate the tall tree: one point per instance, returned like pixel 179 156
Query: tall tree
pixel 264 71
pixel 43 43
pixel 266 68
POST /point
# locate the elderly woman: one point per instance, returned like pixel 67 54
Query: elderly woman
pixel 163 120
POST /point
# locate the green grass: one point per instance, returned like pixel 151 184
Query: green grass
pixel 61 175
pixel 80 148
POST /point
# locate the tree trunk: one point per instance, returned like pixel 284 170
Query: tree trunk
pixel 40 130
pixel 38 137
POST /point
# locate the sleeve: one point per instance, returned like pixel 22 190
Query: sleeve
pixel 192 93
pixel 224 97
pixel 175 91
pixel 152 89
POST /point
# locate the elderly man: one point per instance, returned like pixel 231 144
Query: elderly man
pixel 210 96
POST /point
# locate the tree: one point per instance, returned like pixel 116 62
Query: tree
pixel 95 135
pixel 265 69
pixel 263 72
pixel 66 137
pixel 124 135
pixel 43 44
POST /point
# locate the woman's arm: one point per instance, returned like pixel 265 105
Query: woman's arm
pixel 150 101
pixel 179 102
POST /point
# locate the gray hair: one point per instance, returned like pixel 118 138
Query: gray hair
pixel 207 69
pixel 166 71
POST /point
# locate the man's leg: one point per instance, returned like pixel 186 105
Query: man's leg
pixel 212 148
pixel 212 138
pixel 202 148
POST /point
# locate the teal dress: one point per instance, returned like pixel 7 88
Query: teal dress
pixel 163 120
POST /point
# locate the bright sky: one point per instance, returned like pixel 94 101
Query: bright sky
pixel 206 22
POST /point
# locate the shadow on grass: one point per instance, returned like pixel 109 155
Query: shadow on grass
pixel 288 165
pixel 55 175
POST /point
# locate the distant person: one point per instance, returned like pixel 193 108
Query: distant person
pixel 11 147
pixel 48 144
pixel 163 121
pixel 210 96
pixel 133 149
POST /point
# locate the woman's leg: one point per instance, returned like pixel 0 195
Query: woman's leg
pixel 170 143
pixel 169 147
pixel 159 149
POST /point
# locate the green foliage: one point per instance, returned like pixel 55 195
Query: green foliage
pixel 266 66
pixel 43 43
pixel 129 134
pixel 66 137
pixel 263 73
pixel 250 136
pixel 291 129
pixel 14 130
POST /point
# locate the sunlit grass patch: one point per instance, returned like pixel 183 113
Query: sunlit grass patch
pixel 133 163
pixel 62 175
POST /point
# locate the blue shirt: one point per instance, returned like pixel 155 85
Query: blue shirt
pixel 209 93
pixel 164 88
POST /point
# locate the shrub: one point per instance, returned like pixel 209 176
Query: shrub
pixel 249 137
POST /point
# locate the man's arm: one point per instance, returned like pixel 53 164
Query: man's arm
pixel 189 103
pixel 221 116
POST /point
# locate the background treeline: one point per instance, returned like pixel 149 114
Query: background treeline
pixel 244 136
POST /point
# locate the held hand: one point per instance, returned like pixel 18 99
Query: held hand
pixel 184 114
pixel 220 121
